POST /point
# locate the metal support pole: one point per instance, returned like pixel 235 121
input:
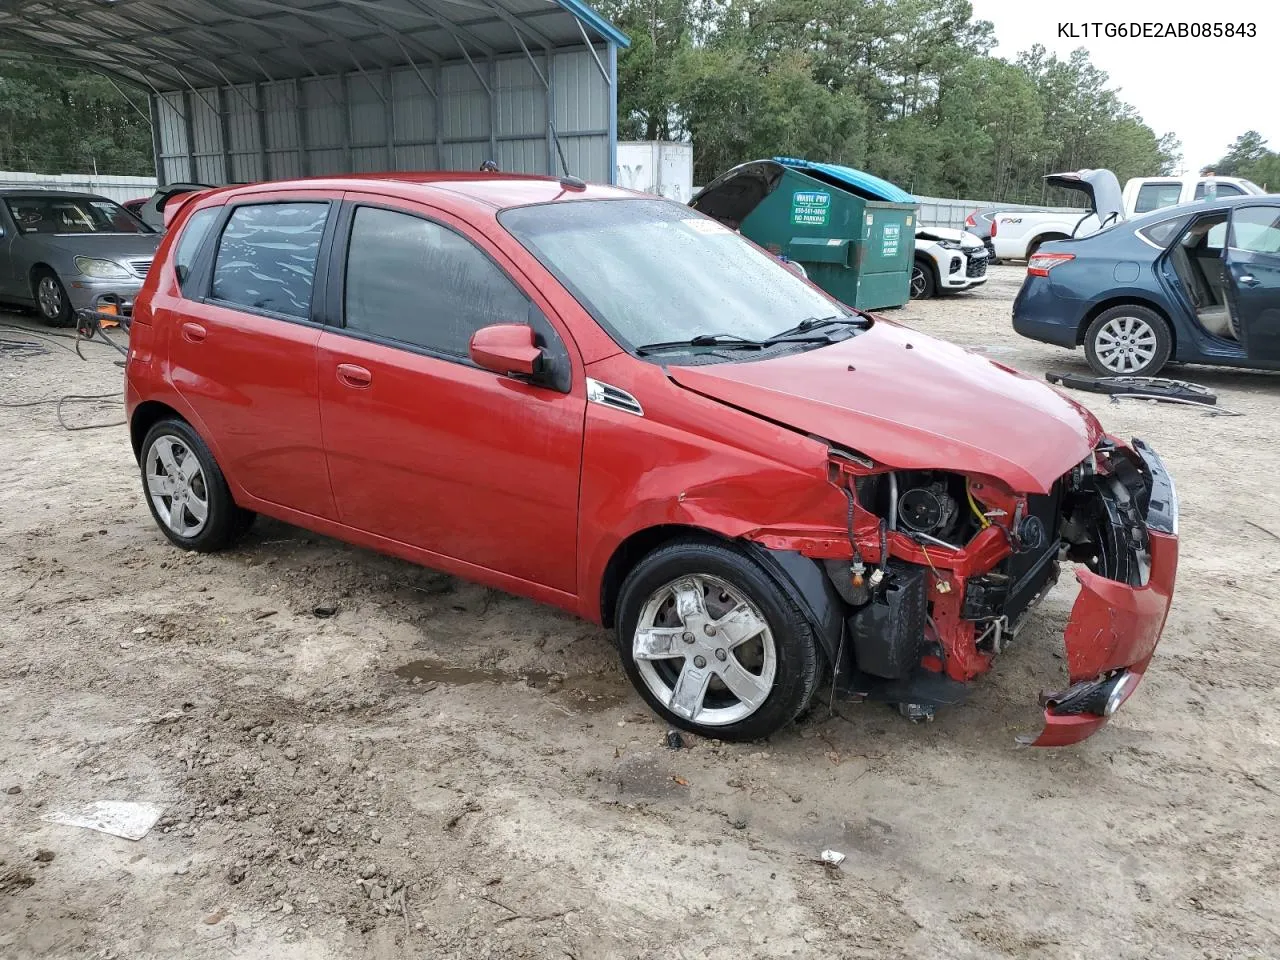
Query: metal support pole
pixel 389 115
pixel 613 112
pixel 439 117
pixel 493 112
pixel 191 137
pixel 348 163
pixel 300 129
pixel 553 142
pixel 157 141
pixel 224 123
pixel 264 164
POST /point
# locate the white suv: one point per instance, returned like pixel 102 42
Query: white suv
pixel 946 260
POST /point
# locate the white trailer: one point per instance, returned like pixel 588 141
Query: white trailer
pixel 656 166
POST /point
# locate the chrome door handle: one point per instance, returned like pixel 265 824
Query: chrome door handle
pixel 1249 279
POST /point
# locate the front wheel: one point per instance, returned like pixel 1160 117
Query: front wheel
pixel 1128 341
pixel 713 644
pixel 922 283
pixel 52 302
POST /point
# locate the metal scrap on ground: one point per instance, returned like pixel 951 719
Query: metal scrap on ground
pixel 120 818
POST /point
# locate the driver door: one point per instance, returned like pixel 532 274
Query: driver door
pixel 424 447
pixel 1252 261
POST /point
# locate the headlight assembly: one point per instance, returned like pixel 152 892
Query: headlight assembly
pixel 101 269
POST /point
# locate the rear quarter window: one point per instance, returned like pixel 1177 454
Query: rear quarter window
pixel 1162 233
pixel 193 233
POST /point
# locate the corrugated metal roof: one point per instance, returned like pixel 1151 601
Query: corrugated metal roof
pixel 179 44
pixel 859 179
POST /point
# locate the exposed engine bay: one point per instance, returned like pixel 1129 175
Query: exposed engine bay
pixel 945 568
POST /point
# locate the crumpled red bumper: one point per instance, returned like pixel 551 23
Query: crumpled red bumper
pixel 1114 629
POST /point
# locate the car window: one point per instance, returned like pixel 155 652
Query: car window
pixel 267 257
pixel 1153 196
pixel 65 215
pixel 1164 231
pixel 1229 190
pixel 415 281
pixel 1216 235
pixel 193 233
pixel 1256 230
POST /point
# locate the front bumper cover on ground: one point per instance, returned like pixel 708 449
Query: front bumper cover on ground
pixel 1114 627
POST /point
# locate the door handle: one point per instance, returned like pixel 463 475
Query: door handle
pixel 193 332
pixel 353 375
pixel 1249 280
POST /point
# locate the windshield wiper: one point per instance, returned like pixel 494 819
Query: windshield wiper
pixel 727 340
pixel 812 323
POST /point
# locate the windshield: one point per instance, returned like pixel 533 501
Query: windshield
pixel 653 271
pixel 72 215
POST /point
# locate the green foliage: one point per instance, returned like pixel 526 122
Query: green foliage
pixel 906 89
pixel 1249 157
pixel 55 120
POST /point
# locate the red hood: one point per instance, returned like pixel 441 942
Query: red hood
pixel 912 402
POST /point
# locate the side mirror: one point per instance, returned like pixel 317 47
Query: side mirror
pixel 508 349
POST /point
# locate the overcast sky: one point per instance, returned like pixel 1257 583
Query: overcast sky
pixel 1207 92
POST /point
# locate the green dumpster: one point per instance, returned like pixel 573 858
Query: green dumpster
pixel 853 233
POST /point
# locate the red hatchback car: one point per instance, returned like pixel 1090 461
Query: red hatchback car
pixel 613 404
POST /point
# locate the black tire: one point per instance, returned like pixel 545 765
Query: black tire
pixel 924 284
pixel 224 522
pixel 54 309
pixel 1102 359
pixel 794 643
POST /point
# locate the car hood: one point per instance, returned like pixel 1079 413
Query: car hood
pixel 105 245
pixel 909 401
pixel 962 237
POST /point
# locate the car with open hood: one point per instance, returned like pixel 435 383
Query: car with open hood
pixel 62 251
pixel 616 405
pixel 1194 283
pixel 947 261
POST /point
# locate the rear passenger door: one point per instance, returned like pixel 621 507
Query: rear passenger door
pixel 1252 261
pixel 424 447
pixel 242 344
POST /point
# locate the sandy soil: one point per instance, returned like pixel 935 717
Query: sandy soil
pixel 438 770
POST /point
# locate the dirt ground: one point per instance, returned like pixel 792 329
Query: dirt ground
pixel 439 770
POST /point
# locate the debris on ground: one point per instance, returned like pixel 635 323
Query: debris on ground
pixel 831 858
pixel 1155 388
pixel 120 818
pixel 674 740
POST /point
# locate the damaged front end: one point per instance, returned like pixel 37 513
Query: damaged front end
pixel 945 568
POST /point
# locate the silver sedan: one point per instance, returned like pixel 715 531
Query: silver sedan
pixel 60 252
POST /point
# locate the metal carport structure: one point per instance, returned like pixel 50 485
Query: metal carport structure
pixel 245 90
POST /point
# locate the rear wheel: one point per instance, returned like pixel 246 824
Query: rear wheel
pixel 1128 341
pixel 51 298
pixel 923 285
pixel 186 491
pixel 713 644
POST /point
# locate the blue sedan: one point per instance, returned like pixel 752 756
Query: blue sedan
pixel 1196 283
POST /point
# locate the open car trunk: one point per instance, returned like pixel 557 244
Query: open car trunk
pixel 1102 191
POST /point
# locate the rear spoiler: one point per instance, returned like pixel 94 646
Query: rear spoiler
pixel 173 203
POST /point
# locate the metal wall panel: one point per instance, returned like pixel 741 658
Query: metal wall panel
pixel 391 119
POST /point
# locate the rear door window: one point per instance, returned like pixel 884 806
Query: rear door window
pixel 419 283
pixel 193 234
pixel 1153 196
pixel 267 257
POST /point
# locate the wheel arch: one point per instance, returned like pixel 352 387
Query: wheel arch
pixel 35 270
pixel 1047 237
pixel 145 416
pixel 803 579
pixel 1128 300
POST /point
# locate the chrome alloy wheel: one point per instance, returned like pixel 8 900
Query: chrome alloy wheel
pixel 705 651
pixel 49 297
pixel 1125 344
pixel 917 282
pixel 176 485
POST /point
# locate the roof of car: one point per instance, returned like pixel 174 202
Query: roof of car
pixel 1218 203
pixel 27 193
pixel 496 190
